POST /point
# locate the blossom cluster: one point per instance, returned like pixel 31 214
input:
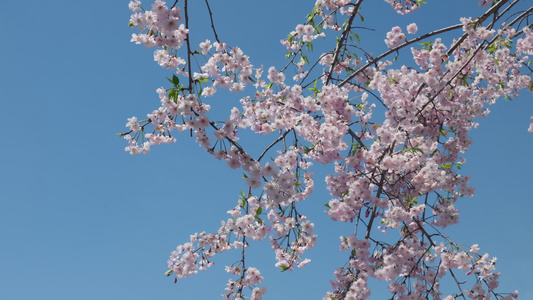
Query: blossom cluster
pixel 395 37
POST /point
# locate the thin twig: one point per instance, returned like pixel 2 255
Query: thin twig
pixel 274 143
pixel 392 50
pixel 212 23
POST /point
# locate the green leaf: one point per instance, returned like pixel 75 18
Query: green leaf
pixel 289 38
pixel 417 150
pixel 173 95
pixel 345 23
pixel 413 201
pixel 259 211
pixel 427 45
pixel 175 80
pixel 284 268
pixel 492 48
pixel 414 150
pixel 319 28
pixel 396 57
pixel 446 166
pixel 167 273
pixel 309 46
pixel 304 59
pixel 269 86
pixel 314 89
pixel 311 19
pixel 356 36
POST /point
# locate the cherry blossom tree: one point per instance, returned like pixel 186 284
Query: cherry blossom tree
pixel 398 171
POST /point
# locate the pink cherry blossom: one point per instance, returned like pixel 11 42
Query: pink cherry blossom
pixel 412 28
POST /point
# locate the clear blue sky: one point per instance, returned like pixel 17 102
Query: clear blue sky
pixel 82 219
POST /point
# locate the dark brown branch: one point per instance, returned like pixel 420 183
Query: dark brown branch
pixel 344 35
pixel 173 5
pixel 188 41
pixel 352 134
pixel 421 227
pixel 374 209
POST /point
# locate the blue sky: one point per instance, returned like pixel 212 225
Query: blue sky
pixel 82 219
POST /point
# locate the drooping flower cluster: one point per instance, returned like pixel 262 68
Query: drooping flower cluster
pixel 398 172
pixel 404 6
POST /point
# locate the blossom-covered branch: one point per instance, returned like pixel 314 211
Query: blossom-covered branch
pixel 397 172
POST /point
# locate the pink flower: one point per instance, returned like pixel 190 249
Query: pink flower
pixel 135 5
pixel 257 293
pixel 412 28
pixel 253 277
pixel 133 125
pixel 205 46
pixel 233 162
